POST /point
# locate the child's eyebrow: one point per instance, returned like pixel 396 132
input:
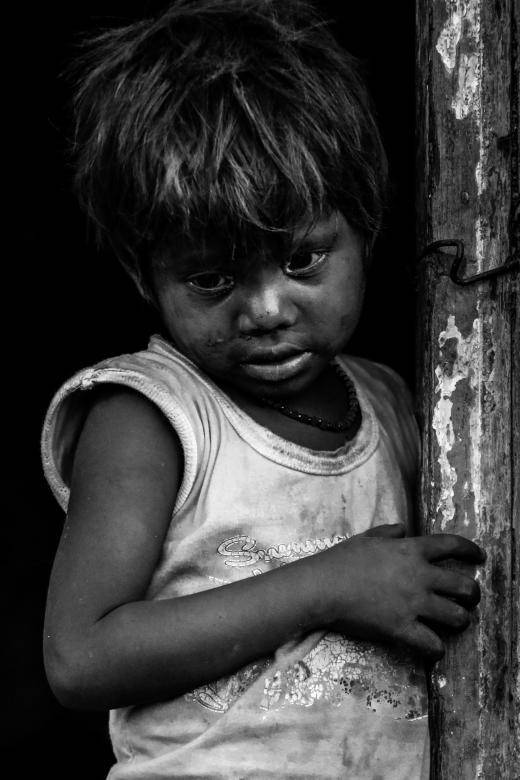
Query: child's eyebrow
pixel 193 261
pixel 319 237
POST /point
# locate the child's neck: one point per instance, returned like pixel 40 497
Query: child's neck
pixel 326 398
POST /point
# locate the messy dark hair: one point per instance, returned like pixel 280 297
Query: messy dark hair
pixel 233 115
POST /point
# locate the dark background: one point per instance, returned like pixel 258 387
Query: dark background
pixel 73 306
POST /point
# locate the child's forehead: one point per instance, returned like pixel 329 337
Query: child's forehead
pixel 248 245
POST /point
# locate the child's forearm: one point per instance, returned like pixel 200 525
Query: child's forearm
pixel 382 589
pixel 148 651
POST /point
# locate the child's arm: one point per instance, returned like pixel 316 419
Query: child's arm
pixel 105 646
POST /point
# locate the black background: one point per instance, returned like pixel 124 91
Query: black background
pixel 71 306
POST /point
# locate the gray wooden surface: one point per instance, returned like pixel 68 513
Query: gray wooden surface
pixel 469 363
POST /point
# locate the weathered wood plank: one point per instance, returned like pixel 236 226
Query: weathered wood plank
pixel 469 372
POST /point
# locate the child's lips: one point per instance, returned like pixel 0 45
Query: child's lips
pixel 276 370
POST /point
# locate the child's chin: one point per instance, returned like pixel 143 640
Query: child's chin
pixel 275 390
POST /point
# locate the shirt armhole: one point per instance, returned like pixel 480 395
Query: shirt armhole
pixel 66 414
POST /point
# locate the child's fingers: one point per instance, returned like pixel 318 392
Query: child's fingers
pixel 446 613
pixel 423 640
pixel 438 547
pixel 387 531
pixel 464 589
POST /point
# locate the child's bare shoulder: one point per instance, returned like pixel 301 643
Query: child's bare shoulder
pixel 125 439
pixel 129 405
pixel 117 415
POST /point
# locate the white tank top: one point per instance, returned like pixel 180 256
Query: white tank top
pixel 321 707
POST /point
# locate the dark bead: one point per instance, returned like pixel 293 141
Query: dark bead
pixel 319 422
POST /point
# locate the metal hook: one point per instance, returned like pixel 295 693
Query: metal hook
pixel 456 275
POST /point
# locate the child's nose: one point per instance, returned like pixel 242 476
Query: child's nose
pixel 266 304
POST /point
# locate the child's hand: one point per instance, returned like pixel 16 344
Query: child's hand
pixel 385 587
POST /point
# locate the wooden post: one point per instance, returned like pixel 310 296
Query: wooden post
pixel 469 361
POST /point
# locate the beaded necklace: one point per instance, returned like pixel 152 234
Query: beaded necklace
pixel 318 422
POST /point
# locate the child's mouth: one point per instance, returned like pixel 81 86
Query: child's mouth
pixel 277 370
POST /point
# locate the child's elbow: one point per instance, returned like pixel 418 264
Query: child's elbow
pixel 70 674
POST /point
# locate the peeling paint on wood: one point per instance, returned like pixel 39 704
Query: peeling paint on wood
pixel 450 35
pixel 460 363
pixel 463 19
pixel 469 361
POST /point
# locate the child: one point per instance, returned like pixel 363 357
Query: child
pixel 237 578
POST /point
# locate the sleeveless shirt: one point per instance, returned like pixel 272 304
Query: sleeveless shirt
pixel 323 706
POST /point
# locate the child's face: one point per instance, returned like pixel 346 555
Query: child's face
pixel 269 325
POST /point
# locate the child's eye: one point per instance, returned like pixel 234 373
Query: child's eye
pixel 305 263
pixel 210 283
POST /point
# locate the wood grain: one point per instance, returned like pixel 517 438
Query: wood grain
pixel 469 363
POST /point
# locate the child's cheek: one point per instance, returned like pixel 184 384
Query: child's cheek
pixel 214 341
